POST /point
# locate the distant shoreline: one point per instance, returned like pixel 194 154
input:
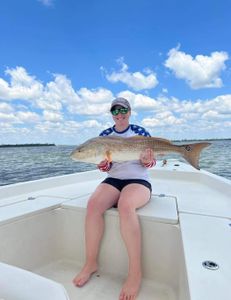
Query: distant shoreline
pixel 53 144
pixel 202 140
pixel 26 145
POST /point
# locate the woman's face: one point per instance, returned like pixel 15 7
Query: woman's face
pixel 121 119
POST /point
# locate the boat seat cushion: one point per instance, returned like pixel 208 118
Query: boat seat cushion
pixel 161 208
pixel 19 284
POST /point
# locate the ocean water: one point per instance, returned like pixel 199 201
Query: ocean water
pixel 18 164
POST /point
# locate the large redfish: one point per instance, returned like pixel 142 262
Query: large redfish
pixel 119 149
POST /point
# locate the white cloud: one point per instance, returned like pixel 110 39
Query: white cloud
pixel 22 85
pixel 27 117
pixel 71 132
pixel 8 118
pixel 54 95
pixel 222 104
pixel 93 102
pixel 20 117
pixel 174 118
pixel 57 93
pixel 137 80
pixel 5 107
pixel 164 119
pixel 56 112
pixel 52 116
pixel 95 96
pixel 199 72
pixel 211 114
pixel 91 124
pixel 140 101
pixel 189 119
pixel 75 128
pixel 19 77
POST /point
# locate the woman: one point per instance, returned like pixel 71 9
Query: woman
pixel 127 186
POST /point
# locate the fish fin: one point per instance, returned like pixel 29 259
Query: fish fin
pixel 136 137
pixel 108 156
pixel 191 152
pixel 162 140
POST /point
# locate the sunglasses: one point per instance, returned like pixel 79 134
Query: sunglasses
pixel 122 111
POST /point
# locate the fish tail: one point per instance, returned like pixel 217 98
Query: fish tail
pixel 191 153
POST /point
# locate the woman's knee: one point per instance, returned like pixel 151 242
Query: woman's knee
pixel 125 207
pixel 94 207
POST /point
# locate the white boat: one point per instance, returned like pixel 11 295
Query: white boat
pixel 186 231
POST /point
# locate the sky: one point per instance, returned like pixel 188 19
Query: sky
pixel 62 62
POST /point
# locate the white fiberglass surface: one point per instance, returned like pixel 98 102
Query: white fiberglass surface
pixel 102 286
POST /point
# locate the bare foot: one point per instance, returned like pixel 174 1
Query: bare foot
pixel 131 287
pixel 85 274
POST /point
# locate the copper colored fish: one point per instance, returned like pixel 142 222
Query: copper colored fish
pixel 119 149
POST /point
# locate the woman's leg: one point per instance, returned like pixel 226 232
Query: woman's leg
pixel 132 197
pixel 104 197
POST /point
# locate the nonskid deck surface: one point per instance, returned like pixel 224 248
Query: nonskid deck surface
pixel 101 286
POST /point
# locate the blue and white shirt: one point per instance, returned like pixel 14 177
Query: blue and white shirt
pixel 127 169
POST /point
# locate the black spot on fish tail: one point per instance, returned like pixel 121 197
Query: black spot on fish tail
pixel 191 152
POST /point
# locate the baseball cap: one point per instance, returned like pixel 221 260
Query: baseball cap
pixel 122 102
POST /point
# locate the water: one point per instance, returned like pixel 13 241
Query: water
pixel 30 163
pixel 18 164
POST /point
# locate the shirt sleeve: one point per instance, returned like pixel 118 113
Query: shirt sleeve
pixel 138 130
pixel 106 132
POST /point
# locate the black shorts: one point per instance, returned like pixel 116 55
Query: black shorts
pixel 121 183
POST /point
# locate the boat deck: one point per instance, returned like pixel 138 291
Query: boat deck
pixel 102 286
pixel 194 203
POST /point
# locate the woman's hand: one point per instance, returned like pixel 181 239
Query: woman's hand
pixel 104 165
pixel 147 158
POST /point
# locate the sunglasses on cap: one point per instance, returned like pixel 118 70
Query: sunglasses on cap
pixel 122 110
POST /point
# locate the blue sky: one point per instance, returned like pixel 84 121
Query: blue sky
pixel 63 62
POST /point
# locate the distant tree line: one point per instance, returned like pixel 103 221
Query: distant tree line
pixel 26 145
